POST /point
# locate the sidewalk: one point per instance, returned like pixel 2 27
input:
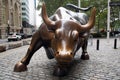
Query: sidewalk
pixel 104 64
pixel 91 42
pixel 11 45
pixel 104 43
pixel 3 41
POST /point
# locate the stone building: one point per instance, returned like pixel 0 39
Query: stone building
pixel 10 17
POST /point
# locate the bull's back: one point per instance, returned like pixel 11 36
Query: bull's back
pixel 63 13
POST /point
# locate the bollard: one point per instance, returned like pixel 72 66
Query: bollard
pixel 115 43
pixel 97 44
pixel 90 40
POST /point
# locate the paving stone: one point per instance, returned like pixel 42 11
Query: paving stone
pixel 103 64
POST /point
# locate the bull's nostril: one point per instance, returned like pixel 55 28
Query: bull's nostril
pixel 71 53
pixel 57 52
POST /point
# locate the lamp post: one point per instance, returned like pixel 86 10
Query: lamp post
pixel 79 3
pixel 119 15
pixel 108 21
pixel 8 28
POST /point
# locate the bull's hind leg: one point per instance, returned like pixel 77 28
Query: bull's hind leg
pixel 85 55
pixel 34 46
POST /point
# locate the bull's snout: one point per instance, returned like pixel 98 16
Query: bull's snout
pixel 64 57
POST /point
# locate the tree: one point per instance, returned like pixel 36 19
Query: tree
pixel 57 3
pixel 101 6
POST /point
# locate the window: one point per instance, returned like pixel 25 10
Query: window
pixel 23 13
pixel 23 8
pixel 3 1
pixel 11 2
pixel 0 21
pixel 23 3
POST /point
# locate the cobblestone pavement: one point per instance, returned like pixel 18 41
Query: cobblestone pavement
pixel 103 64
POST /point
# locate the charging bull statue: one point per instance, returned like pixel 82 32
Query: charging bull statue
pixel 61 35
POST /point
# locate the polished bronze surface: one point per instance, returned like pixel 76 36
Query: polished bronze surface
pixel 61 35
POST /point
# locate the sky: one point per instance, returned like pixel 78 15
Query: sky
pixel 38 18
pixel 31 11
pixel 34 18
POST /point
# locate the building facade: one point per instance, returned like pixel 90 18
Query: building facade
pixel 25 13
pixel 28 16
pixel 10 17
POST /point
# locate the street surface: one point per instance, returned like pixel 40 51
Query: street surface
pixel 3 41
pixel 104 64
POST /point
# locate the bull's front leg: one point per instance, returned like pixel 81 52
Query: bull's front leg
pixel 34 46
pixel 85 55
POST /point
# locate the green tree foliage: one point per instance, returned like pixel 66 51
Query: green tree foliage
pixel 115 12
pixel 52 5
pixel 101 6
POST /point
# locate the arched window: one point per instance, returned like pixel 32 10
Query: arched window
pixel 16 14
pixel 11 19
pixel 3 2
pixel 11 2
pixel 5 11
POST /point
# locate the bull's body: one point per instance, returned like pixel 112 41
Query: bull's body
pixel 60 40
pixel 65 14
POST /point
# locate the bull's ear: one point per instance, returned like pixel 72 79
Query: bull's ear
pixel 50 24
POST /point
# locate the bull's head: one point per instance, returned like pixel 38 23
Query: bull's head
pixel 66 38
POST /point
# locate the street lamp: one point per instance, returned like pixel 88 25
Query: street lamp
pixel 79 3
pixel 108 21
pixel 8 28
pixel 119 15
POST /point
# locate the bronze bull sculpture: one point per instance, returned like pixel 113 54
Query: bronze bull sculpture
pixel 61 35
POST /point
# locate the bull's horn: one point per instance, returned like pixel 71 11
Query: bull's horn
pixel 45 18
pixel 91 21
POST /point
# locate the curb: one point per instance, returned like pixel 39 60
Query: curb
pixel 12 45
pixel 2 48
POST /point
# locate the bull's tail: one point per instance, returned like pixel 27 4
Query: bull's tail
pixel 78 8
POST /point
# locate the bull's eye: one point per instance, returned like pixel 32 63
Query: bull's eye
pixel 57 52
pixel 55 36
pixel 58 34
pixel 75 35
pixel 75 40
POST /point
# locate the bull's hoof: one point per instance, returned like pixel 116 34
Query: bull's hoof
pixel 20 67
pixel 85 57
pixel 60 72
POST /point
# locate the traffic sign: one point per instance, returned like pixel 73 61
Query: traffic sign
pixel 114 3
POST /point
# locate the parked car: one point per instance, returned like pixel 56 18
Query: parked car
pixel 23 36
pixel 14 36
